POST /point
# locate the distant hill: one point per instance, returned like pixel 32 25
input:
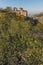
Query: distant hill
pixel 39 15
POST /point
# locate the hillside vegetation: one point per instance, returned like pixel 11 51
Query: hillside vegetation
pixel 21 40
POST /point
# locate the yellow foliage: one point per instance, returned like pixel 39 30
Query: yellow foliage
pixel 20 16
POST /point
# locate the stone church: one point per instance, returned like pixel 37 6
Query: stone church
pixel 21 11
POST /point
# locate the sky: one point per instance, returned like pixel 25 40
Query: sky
pixel 32 6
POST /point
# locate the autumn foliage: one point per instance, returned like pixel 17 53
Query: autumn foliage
pixel 20 16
